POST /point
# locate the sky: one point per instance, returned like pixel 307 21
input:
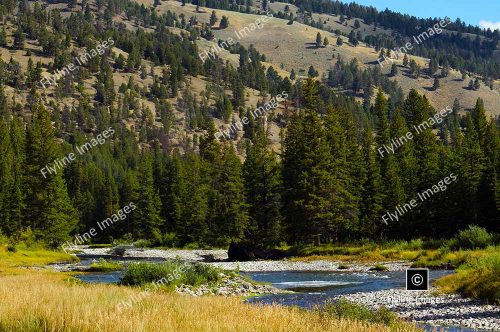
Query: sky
pixel 483 13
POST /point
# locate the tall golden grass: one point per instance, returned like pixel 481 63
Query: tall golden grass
pixel 47 302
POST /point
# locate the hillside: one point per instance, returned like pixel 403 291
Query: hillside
pixel 290 47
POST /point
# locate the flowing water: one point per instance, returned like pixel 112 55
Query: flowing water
pixel 311 288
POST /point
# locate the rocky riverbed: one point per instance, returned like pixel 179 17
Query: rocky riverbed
pixel 218 258
pixel 420 306
pixel 229 286
pixel 431 308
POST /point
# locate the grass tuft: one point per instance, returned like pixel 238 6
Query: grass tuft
pixel 172 273
pixel 478 278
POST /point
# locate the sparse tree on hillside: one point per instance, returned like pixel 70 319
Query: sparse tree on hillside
pixel 352 38
pixel 356 24
pixel 477 84
pixel 264 5
pixel 312 72
pixel 224 22
pixel 318 40
pixel 325 42
pixel 471 85
pixel 394 70
pixel 433 66
pixel 340 41
pixel 19 39
pixel 405 60
pixel 445 70
pixel 292 75
pixel 436 84
pixel 213 18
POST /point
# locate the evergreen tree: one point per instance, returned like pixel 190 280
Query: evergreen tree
pixel 405 60
pixel 436 84
pixel 48 208
pixel 340 41
pixel 371 202
pixel 263 192
pixel 213 18
pixel 318 40
pixel 394 70
pixel 146 216
pixel 224 23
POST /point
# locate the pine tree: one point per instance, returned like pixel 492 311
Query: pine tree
pixel 224 23
pixel 292 75
pixel 405 60
pixel 213 18
pixel 325 42
pixel 49 211
pixel 146 216
pixel 345 213
pixel 340 41
pixel 231 216
pixel 318 40
pixel 18 39
pixel 479 121
pixel 477 84
pixel 263 192
pixel 436 84
pixel 371 202
pixel 394 70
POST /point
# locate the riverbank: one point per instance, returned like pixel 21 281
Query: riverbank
pixel 425 307
pixel 218 258
pixel 433 309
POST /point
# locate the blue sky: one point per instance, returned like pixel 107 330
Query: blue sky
pixel 484 13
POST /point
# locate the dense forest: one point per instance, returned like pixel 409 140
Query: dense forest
pixel 327 179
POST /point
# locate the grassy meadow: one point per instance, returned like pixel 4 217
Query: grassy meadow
pixel 36 299
pixel 43 302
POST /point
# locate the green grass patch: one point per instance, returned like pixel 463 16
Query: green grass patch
pixel 478 278
pixel 344 309
pixel 378 267
pixel 170 274
pixel 100 245
pixel 105 266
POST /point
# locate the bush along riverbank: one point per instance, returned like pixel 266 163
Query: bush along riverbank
pixel 195 279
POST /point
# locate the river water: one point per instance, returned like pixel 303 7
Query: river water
pixel 312 288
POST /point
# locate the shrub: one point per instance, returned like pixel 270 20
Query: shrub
pixel 378 267
pixel 11 248
pixel 474 237
pixel 171 273
pixel 477 278
pixel 105 266
pixel 346 309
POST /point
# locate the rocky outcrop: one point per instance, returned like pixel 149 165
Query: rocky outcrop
pixel 246 251
pixel 229 286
